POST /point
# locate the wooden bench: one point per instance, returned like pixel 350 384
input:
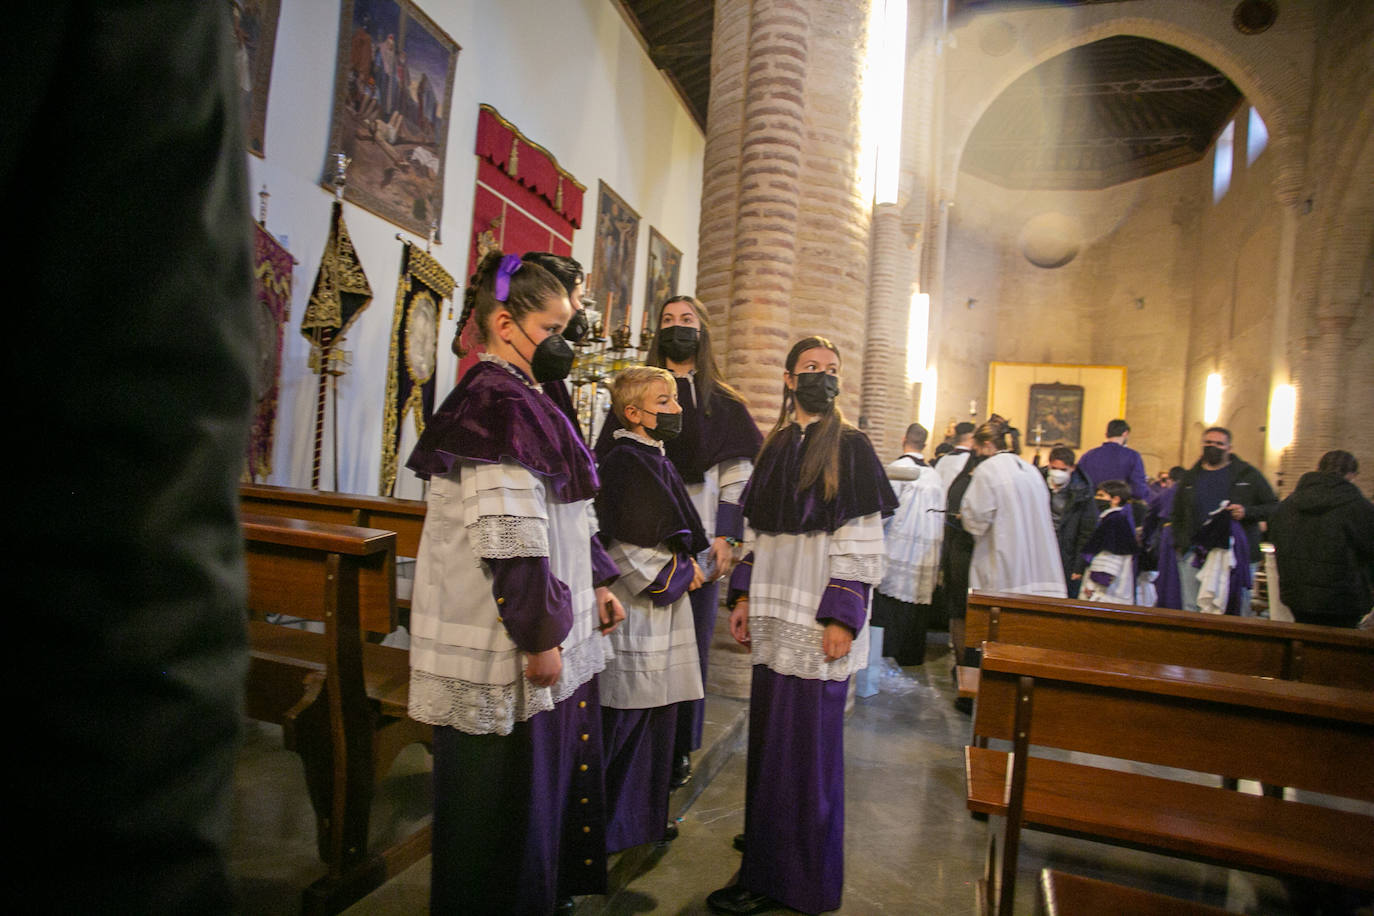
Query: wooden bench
pixel 1306 736
pixel 340 700
pixel 1063 894
pixel 1308 653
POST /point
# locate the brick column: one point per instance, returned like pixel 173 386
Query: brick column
pixel 886 393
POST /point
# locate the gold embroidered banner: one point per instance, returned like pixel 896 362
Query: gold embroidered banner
pixel 272 267
pixel 420 292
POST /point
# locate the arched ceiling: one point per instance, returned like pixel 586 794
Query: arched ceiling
pixel 1100 114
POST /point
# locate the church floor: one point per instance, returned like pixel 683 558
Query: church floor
pixel 910 845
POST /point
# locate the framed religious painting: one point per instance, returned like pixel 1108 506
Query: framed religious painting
pixel 393 85
pixel 255 38
pixel 613 259
pixel 665 266
pixel 1055 415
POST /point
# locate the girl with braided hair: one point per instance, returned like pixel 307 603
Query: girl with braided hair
pixel 509 610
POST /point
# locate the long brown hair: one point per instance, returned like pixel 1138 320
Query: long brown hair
pixel 823 457
pixel 709 379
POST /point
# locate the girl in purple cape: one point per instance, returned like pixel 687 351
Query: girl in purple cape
pixel 509 610
pixel 714 453
pixel 799 602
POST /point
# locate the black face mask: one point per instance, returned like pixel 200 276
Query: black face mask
pixel 577 328
pixel 552 359
pixel 1213 454
pixel 666 426
pixel 1102 505
pixel 816 391
pixel 678 342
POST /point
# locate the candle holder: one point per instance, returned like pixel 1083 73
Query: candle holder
pixel 597 358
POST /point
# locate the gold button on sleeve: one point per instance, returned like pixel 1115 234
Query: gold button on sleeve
pixel 583 768
pixel 585 736
pixel 581 704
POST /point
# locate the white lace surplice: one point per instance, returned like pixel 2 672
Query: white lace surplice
pixel 790 575
pixel 465 670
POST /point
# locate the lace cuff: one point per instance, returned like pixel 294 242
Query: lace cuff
pixel 796 649
pixel 865 567
pixel 503 537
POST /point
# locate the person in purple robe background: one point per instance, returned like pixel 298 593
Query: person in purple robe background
pixel 714 453
pixel 567 271
pixel 511 602
pixel 1111 550
pixel 799 602
pixel 651 530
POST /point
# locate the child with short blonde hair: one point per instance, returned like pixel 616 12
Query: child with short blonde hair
pixel 653 532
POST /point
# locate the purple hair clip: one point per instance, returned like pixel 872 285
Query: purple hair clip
pixel 509 265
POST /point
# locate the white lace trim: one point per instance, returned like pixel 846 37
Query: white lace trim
pixel 494 709
pixel 509 367
pixel 501 537
pixel 626 434
pixel 863 567
pixel 795 649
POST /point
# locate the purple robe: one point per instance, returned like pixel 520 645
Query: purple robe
pixel 639 767
pixel 1114 461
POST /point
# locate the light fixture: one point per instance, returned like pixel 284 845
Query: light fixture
pixel 1282 413
pixel 1211 404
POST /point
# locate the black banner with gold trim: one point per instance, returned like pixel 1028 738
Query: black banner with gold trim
pixel 420 292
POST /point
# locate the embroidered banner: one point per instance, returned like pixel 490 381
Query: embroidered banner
pixel 420 291
pixel 272 267
pixel 340 293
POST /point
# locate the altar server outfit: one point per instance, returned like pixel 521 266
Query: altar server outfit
pixel 1111 552
pixel 814 561
pixel 915 533
pixel 508 563
pixel 652 532
pixel 1007 510
pixel 714 454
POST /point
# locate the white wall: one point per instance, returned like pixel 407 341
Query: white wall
pixel 570 75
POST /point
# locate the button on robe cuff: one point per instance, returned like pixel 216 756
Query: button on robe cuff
pixel 844 601
pixel 534 606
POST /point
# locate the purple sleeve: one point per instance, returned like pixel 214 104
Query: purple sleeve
pixel 533 604
pixel 604 570
pixel 729 520
pixel 739 580
pixel 845 601
pixel 671 582
pixel 1101 578
pixel 1138 488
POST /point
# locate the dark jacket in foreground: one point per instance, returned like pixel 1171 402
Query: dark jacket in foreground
pixel 1248 488
pixel 1323 538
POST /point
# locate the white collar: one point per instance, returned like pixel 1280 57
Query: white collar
pixel 509 367
pixel 626 434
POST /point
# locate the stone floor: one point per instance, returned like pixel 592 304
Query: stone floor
pixel 910 845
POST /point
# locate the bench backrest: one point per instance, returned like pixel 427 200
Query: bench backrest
pixel 406 517
pixel 303 568
pixel 1305 736
pixel 1309 653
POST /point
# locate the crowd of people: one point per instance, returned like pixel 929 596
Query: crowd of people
pixel 568 702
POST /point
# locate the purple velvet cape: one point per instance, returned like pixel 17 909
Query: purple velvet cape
pixel 774 503
pixel 707 438
pixel 644 501
pixel 1113 534
pixel 491 415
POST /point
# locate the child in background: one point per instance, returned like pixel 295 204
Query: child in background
pixel 1112 549
pixel 652 532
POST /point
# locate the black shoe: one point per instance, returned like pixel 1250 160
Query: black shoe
pixel 565 906
pixel 738 900
pixel 682 771
pixel 739 842
pixel 964 705
pixel 670 833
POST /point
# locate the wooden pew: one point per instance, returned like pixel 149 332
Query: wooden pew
pixel 340 700
pixel 1306 736
pixel 1064 894
pixel 1312 654
pixel 406 517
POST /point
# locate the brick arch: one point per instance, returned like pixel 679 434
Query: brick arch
pixel 1276 89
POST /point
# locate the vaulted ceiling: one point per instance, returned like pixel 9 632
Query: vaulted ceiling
pixel 1100 114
